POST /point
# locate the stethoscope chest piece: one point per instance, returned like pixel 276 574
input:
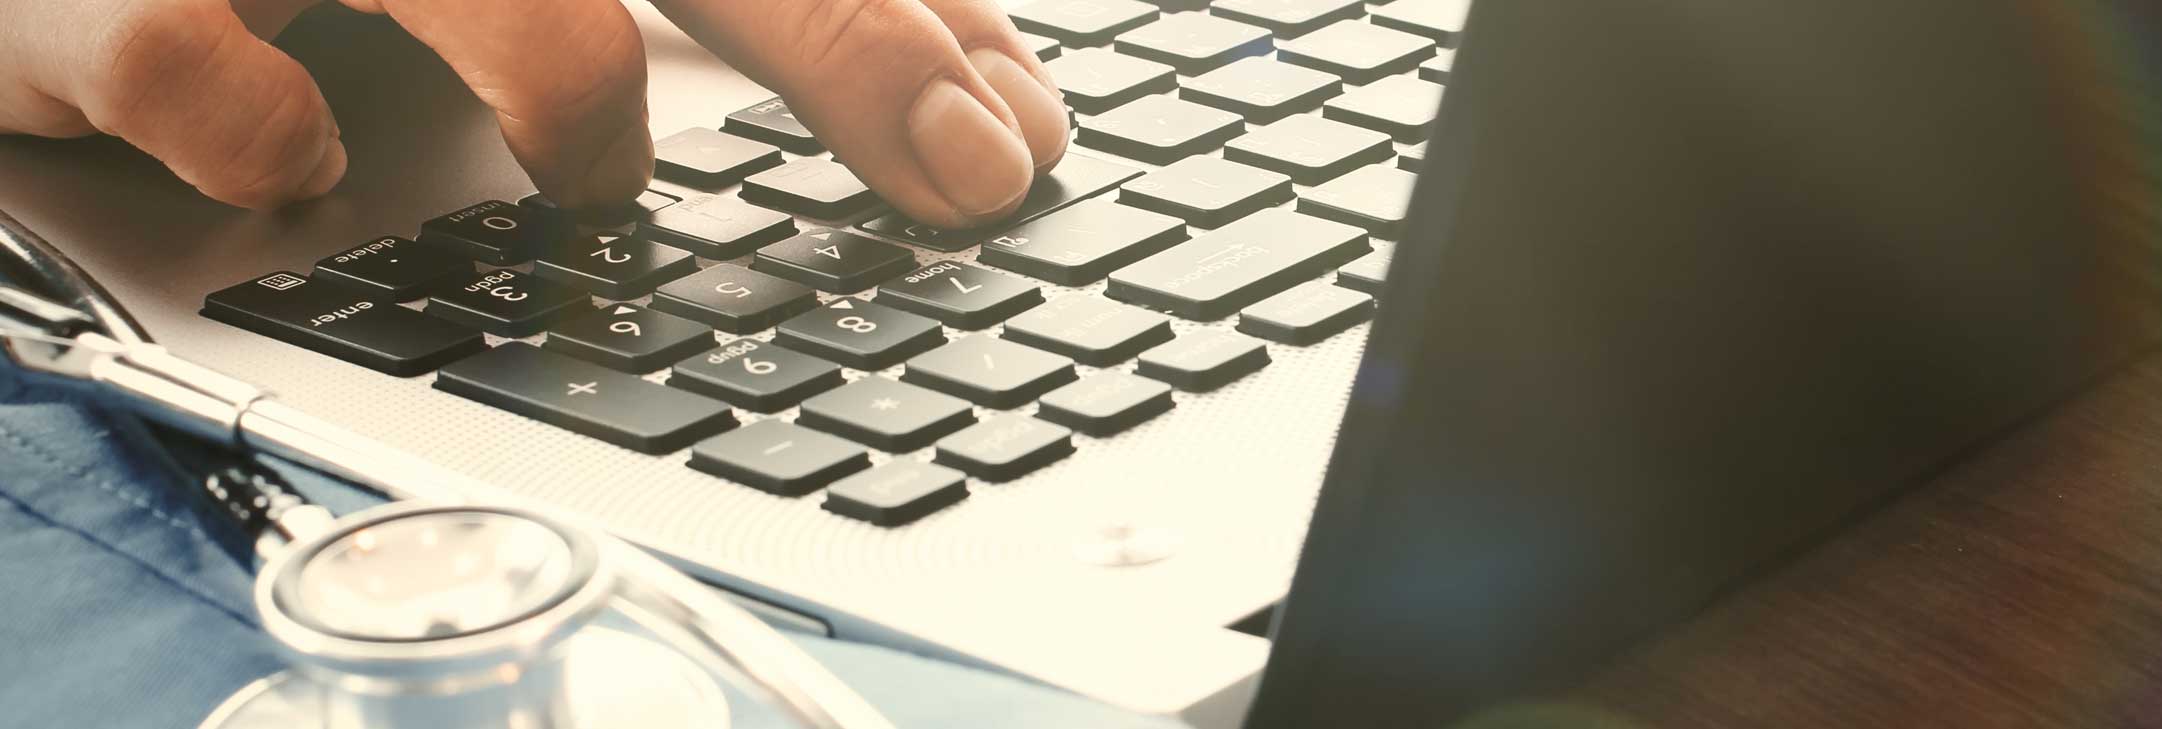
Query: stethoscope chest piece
pixel 458 617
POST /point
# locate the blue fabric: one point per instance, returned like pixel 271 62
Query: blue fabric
pixel 120 606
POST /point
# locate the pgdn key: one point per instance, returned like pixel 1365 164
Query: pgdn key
pixel 1216 274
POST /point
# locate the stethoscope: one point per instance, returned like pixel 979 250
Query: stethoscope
pixel 454 606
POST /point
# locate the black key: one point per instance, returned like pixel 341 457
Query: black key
pixel 1083 243
pixel 896 493
pixel 630 338
pixel 634 211
pixel 1206 191
pixel 1244 262
pixel 755 375
pixel 615 266
pixel 585 398
pixel 1045 48
pixel 1366 274
pixel 1308 313
pixel 989 371
pixel 887 415
pixel 779 458
pixel 811 187
pixel 771 122
pixel 1173 6
pixel 1193 42
pixel 860 334
pixel 1106 403
pixel 507 303
pixel 1159 129
pixel 707 159
pixel 1436 69
pixel 1005 447
pixel 1089 329
pixel 1374 197
pixel 342 322
pixel 1358 52
pixel 1440 20
pixel 1288 18
pixel 1095 80
pixel 1413 157
pixel 494 232
pixel 391 268
pixel 834 261
pixel 1081 23
pixel 1397 106
pixel 1309 148
pixel 960 296
pixel 734 299
pixel 1074 179
pixel 1261 89
pixel 719 227
pixel 1204 361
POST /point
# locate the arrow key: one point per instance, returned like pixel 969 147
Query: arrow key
pixel 615 266
pixel 860 334
pixel 963 297
pixel 630 338
pixel 834 261
pixel 708 159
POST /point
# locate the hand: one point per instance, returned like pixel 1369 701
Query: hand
pixel 936 104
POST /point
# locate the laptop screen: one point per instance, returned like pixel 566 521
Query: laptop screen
pixel 1690 282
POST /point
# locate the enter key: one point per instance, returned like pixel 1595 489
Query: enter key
pixel 1215 275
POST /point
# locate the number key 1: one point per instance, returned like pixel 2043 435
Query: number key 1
pixel 754 375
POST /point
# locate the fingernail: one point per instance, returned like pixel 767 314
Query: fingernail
pixel 1041 113
pixel 619 174
pixel 327 172
pixel 974 160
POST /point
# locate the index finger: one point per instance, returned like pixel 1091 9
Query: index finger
pixel 567 79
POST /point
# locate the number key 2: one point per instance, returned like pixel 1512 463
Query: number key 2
pixel 755 375
pixel 860 334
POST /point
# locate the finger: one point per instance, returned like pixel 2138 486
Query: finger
pixel 185 81
pixel 888 88
pixel 567 79
pixel 995 48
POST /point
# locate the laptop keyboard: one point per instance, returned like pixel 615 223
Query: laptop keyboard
pixel 767 313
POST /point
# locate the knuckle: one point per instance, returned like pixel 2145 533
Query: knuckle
pixel 149 47
pixel 608 75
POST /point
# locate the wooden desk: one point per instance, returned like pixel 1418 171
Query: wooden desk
pixel 2023 588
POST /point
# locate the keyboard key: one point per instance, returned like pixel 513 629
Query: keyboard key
pixel 960 296
pixel 896 493
pixel 585 398
pixel 1193 42
pixel 1095 80
pixel 1397 106
pixel 734 299
pixel 507 303
pixel 718 227
pixel 1204 361
pixel 834 261
pixel 1159 129
pixel 890 416
pixel 710 160
pixel 1412 158
pixel 615 266
pixel 811 187
pixel 342 322
pixel 1358 52
pixel 1081 23
pixel 1090 329
pixel 1045 48
pixel 771 122
pixel 1083 243
pixel 1288 18
pixel 756 375
pixel 860 334
pixel 779 458
pixel 1374 197
pixel 1206 191
pixel 1074 179
pixel 1366 274
pixel 494 232
pixel 630 338
pixel 1260 89
pixel 1308 313
pixel 1436 69
pixel 1440 20
pixel 634 211
pixel 1106 403
pixel 391 268
pixel 1242 263
pixel 1005 447
pixel 1309 148
pixel 989 371
pixel 1174 6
